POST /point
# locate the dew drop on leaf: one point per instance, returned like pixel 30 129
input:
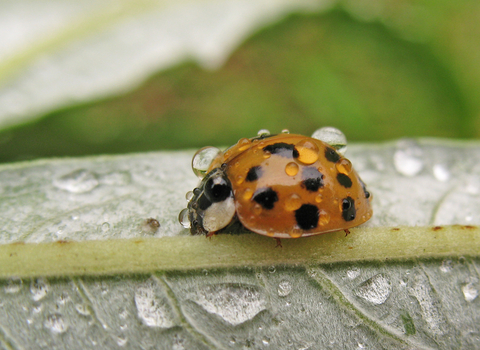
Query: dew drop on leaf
pixel 56 323
pixel 441 172
pixel 39 289
pixel 408 158
pixel 151 310
pixel 284 288
pixel 375 290
pixel 470 293
pixel 13 285
pixel 235 303
pixel 78 181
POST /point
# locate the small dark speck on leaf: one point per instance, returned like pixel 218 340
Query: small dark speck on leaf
pixel 436 228
pixel 395 229
pixel 138 241
pixel 62 241
pixel 468 227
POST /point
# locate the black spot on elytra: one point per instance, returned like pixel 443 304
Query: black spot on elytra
pixel 344 180
pixel 312 179
pixel 307 216
pixel 266 197
pixel 254 173
pixel 348 209
pixel 282 149
pixel 331 155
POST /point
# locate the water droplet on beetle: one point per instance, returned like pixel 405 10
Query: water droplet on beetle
pixel 291 169
pixel 408 158
pixel 307 151
pixel 344 166
pixel 324 218
pixel 284 288
pixel 247 194
pixel 202 159
pixel 285 131
pixel 257 209
pixel 243 144
pixel 375 290
pixel 189 195
pixel 293 202
pixel 295 232
pixel 263 132
pixel 78 181
pixel 184 219
pixel 332 136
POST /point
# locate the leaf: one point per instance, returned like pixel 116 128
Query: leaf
pixel 292 297
pixel 74 51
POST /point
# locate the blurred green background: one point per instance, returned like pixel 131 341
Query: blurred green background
pixel 411 71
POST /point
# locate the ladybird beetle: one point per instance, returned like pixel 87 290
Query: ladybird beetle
pixel 281 186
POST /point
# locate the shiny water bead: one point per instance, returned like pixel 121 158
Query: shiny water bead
pixel 183 218
pixel 202 160
pixel 291 169
pixel 307 151
pixel 333 136
pixel 263 132
pixel 344 166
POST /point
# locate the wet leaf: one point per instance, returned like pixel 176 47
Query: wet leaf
pixel 419 299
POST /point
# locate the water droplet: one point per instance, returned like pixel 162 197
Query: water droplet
pixel 469 292
pixel 293 202
pixel 202 159
pixel 63 298
pixel 375 290
pixel 243 144
pixel 285 131
pixel 235 303
pixel 247 194
pixel 13 285
pixel 105 226
pixel 272 269
pixel 122 341
pixel 291 169
pixel 82 309
pixel 284 288
pixel 344 166
pixel 150 309
pixel 441 172
pixel 266 341
pixel 263 132
pixel 307 151
pixel 39 289
pixel 295 232
pixel 324 218
pixel 333 137
pixel 257 209
pixel 361 346
pixel 353 273
pixel 183 218
pixel 318 198
pixel 446 266
pixel 55 323
pixel 239 179
pixel 189 195
pixel 408 158
pixel 78 181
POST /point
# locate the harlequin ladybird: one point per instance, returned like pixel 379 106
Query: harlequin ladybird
pixel 281 186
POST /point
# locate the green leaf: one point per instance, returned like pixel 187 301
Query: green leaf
pixel 84 268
